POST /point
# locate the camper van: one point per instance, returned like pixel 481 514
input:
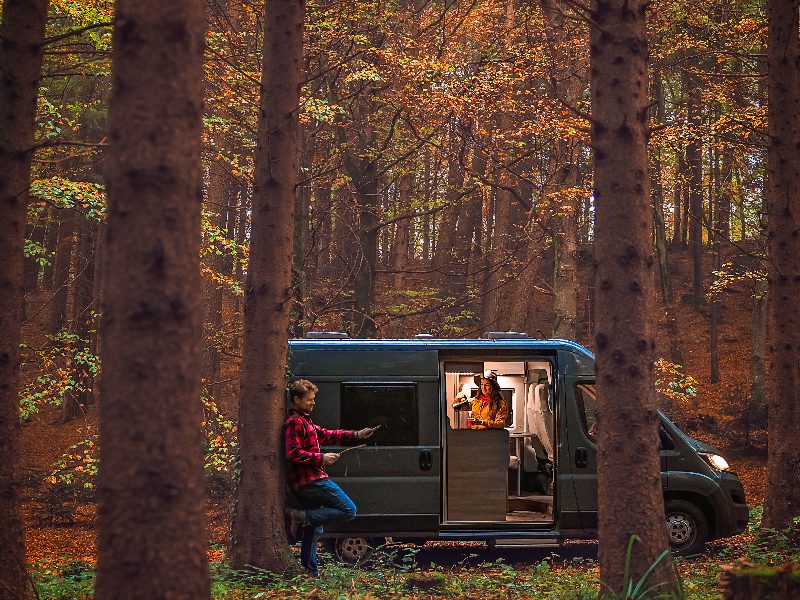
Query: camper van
pixel 426 475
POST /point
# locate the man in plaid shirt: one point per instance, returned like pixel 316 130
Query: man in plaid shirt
pixel 322 499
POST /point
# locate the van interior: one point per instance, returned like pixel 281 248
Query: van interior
pixel 501 475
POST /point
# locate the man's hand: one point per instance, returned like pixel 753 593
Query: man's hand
pixel 329 458
pixel 363 434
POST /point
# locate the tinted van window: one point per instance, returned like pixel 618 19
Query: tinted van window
pixel 392 405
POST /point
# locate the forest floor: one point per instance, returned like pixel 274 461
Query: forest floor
pixel 60 534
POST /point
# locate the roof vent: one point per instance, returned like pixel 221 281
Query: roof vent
pixel 423 336
pixel 326 335
pixel 506 335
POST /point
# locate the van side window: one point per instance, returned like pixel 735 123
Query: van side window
pixel 393 405
pixel 586 398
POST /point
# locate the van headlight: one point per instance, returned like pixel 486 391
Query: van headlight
pixel 716 461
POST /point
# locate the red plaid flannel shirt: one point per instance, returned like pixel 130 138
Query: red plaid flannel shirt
pixel 302 439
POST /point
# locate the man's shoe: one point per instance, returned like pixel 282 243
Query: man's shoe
pixel 294 519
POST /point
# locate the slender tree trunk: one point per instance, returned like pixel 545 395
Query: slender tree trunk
pixel 565 267
pixel 694 161
pixel 629 479
pixel 21 51
pixel 757 406
pixel 782 498
pixel 259 538
pixel 61 271
pixel 677 200
pixel 74 404
pixel 402 235
pixel 151 496
pixel 660 229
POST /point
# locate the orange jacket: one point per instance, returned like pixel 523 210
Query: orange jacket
pixel 481 410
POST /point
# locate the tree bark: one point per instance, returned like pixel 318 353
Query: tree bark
pixel 782 498
pixel 21 51
pixel 402 234
pixel 61 271
pixel 258 535
pixel 151 490
pixel 694 161
pixel 629 480
pixel 660 229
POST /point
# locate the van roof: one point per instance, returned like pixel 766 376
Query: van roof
pixel 439 344
pixel 334 357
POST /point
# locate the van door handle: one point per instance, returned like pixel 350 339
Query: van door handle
pixel 425 460
pixel 581 458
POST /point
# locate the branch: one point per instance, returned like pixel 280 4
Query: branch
pixel 74 32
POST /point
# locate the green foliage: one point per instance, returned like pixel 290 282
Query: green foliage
pixel 71 581
pixel 221 446
pixel 730 275
pixel 38 252
pixel 64 367
pixel 771 546
pixel 76 469
pixel 216 243
pixel 673 382
pixel 82 196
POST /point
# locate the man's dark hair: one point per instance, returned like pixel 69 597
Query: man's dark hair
pixel 301 388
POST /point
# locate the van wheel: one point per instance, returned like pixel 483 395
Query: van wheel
pixel 687 527
pixel 354 549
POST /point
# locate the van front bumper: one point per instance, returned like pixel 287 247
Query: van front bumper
pixel 734 514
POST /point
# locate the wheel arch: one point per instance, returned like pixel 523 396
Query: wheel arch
pixel 701 502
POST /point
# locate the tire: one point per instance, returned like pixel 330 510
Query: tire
pixel 355 549
pixel 687 527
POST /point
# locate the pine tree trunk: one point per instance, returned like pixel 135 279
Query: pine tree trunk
pixel 782 498
pixel 21 51
pixel 757 406
pixel 258 535
pixel 151 490
pixel 629 480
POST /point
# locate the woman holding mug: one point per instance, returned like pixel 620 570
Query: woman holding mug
pixel 489 410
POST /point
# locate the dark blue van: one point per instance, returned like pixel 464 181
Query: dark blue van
pixel 426 475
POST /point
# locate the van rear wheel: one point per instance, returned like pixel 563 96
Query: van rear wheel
pixel 687 527
pixel 355 549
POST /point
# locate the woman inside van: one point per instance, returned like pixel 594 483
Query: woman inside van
pixel 489 410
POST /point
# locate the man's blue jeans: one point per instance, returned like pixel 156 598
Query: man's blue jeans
pixel 324 502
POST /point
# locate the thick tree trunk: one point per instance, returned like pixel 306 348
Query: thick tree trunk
pixel 259 538
pixel 21 51
pixel 629 479
pixel 151 496
pixel 782 499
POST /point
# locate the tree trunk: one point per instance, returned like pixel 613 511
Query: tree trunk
pixel 757 406
pixel 565 267
pixel 677 200
pixel 782 498
pixel 660 229
pixel 21 51
pixel 57 315
pixel 151 491
pixel 258 535
pixel 446 241
pixel 694 161
pixel 629 479
pixel 402 234
pixel 80 323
